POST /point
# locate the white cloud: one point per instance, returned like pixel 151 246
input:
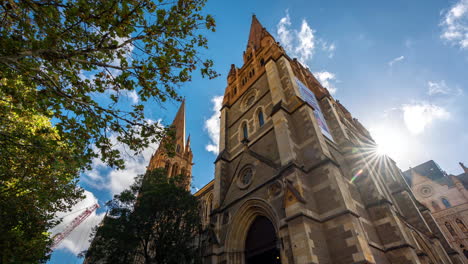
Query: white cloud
pixel 127 50
pixel 455 24
pixel 284 34
pixel 442 88
pixel 114 180
pixel 301 43
pixel 395 60
pixel 306 46
pixel 418 116
pixel 326 79
pixel 437 88
pixel 328 47
pixel 133 95
pixel 212 125
pixel 78 240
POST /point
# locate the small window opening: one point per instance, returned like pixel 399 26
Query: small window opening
pixel 245 131
pixel 261 121
pixel 446 203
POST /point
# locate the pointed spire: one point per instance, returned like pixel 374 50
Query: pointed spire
pixel 188 143
pixel 255 36
pixel 179 125
pixel 465 169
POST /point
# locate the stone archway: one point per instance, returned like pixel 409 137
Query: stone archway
pixel 241 224
pixel 261 243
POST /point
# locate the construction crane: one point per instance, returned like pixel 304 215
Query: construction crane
pixel 76 222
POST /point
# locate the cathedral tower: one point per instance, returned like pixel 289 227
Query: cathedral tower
pixel 296 180
pixel 181 162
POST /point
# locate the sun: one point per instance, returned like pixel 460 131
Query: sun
pixel 390 141
pixel 382 150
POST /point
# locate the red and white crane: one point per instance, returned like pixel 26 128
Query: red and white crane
pixel 76 222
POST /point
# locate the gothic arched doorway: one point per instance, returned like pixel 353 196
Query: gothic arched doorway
pixel 261 243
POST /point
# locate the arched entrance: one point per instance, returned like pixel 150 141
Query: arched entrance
pixel 261 243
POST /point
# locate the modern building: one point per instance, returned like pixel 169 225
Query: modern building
pixel 446 196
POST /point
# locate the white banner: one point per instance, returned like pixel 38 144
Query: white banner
pixel 309 97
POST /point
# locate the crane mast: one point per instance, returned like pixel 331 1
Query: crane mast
pixel 76 222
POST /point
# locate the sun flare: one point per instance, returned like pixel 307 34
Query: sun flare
pixel 390 142
pixel 382 150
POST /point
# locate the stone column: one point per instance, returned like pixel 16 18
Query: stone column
pixel 337 129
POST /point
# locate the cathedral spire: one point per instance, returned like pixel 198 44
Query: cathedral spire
pixel 255 36
pixel 181 162
pixel 179 126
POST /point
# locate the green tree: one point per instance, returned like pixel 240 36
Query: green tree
pixel 38 171
pixel 83 56
pixel 70 64
pixel 156 220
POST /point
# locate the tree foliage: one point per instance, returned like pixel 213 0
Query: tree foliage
pixel 38 171
pixel 155 221
pixel 83 57
pixel 67 70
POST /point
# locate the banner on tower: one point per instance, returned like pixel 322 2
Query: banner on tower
pixel 309 97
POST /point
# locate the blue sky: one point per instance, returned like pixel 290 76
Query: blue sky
pixel 400 67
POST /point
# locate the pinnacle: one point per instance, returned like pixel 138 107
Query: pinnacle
pixel 255 35
pixel 179 125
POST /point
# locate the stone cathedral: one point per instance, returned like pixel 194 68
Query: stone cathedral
pixel 297 179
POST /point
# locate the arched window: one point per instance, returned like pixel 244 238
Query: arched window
pixel 202 210
pixel 245 131
pixel 261 121
pixel 446 203
pixel 168 165
pixel 183 171
pixel 250 100
pixel 178 148
pixel 175 169
pixel 209 207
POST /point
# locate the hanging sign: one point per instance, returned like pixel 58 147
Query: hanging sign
pixel 309 97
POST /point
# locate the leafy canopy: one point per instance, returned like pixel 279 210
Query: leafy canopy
pixel 38 171
pixel 156 221
pixel 83 57
pixel 67 68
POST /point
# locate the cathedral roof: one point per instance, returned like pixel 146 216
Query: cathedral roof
pixel 430 170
